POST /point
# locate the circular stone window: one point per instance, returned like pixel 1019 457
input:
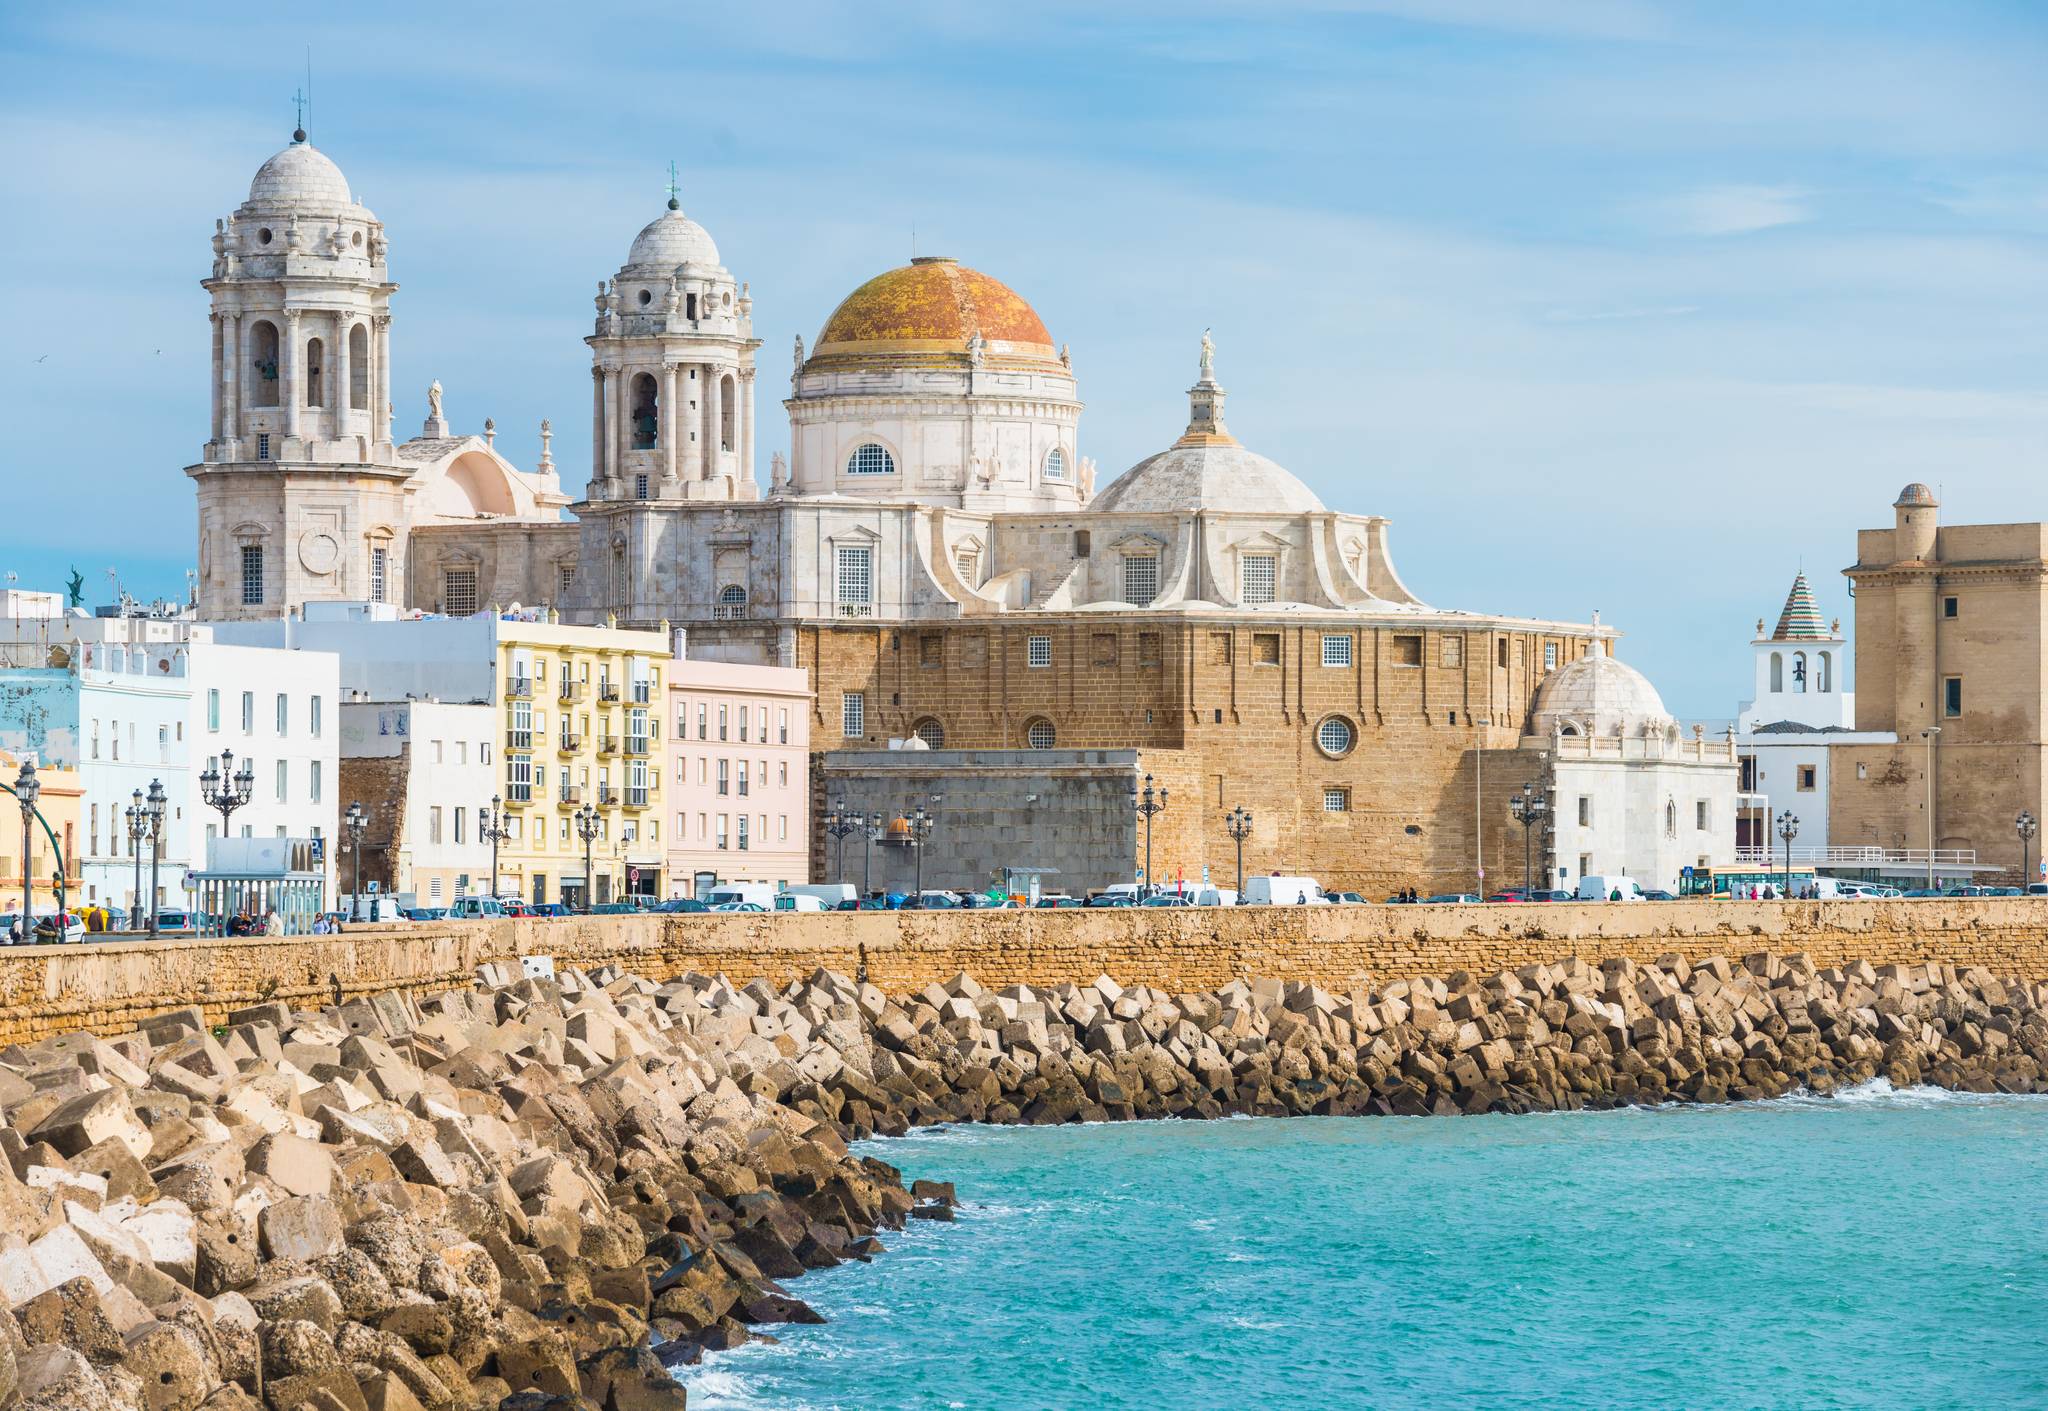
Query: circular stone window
pixel 646 297
pixel 1040 735
pixel 355 238
pixel 1335 737
pixel 263 236
pixel 932 733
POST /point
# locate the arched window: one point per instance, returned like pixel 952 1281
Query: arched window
pixel 1055 464
pixel 359 368
pixel 1335 737
pixel 728 411
pixel 932 733
pixel 316 392
pixel 870 459
pixel 263 363
pixel 1825 682
pixel 1039 734
pixel 1670 819
pixel 618 584
pixel 732 602
pixel 1777 672
pixel 646 412
pixel 1799 673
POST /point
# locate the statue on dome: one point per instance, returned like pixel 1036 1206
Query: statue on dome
pixel 975 345
pixel 434 400
pixel 1086 478
pixel 799 365
pixel 1208 356
pixel 1066 358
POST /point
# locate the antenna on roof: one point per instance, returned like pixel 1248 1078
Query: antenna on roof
pixel 674 204
pixel 913 240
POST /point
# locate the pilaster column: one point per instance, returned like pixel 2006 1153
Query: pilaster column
pixel 596 490
pixel 293 372
pixel 671 377
pixel 707 400
pixel 615 444
pixel 231 375
pixel 381 343
pixel 746 429
pixel 220 335
pixel 343 377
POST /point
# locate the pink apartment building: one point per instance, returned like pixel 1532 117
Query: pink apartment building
pixel 740 797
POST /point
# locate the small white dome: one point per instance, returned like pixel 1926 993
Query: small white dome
pixel 1207 477
pixel 672 240
pixel 1597 695
pixel 301 174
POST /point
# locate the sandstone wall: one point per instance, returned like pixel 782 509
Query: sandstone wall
pixel 50 989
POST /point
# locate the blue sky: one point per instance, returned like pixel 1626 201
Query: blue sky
pixel 1612 305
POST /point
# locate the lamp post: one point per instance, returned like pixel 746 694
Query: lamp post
pixel 841 825
pixel 153 814
pixel 873 830
pixel 1788 829
pixel 1148 806
pixel 586 829
pixel 1929 735
pixel 1529 808
pixel 490 826
pixel 355 821
pixel 2026 825
pixel 921 823
pixel 26 790
pixel 223 789
pixel 138 827
pixel 1238 823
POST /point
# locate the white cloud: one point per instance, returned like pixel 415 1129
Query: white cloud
pixel 1727 210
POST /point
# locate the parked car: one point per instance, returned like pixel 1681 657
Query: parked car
pixel 1926 892
pixel 424 913
pixel 1058 903
pixel 176 921
pixel 473 908
pixel 1659 894
pixel 547 909
pixel 1169 899
pixel 514 906
pixel 979 901
pixel 1451 898
pixel 733 906
pixel 932 901
pixel 611 908
pixel 68 926
pixel 676 906
pixel 1346 898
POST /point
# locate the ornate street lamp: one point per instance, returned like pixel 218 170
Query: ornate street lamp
pixel 841 825
pixel 586 829
pixel 26 790
pixel 1238 822
pixel 222 788
pixel 137 814
pixel 1788 829
pixel 491 827
pixel 921 823
pixel 1529 809
pixel 355 821
pixel 2026 825
pixel 1149 805
pixel 153 814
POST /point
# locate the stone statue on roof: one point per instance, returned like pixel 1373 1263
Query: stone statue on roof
pixel 1208 356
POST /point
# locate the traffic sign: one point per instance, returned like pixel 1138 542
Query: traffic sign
pixel 632 874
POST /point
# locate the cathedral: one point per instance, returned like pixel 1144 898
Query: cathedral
pixel 935 551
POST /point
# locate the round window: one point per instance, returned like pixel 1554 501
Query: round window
pixel 355 238
pixel 1040 735
pixel 646 298
pixel 263 236
pixel 870 459
pixel 932 733
pixel 1335 736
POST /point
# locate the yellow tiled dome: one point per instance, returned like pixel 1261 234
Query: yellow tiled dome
pixel 934 305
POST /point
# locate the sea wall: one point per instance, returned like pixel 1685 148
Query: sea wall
pixel 108 988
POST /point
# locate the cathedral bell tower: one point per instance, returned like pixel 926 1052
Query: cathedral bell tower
pixel 300 494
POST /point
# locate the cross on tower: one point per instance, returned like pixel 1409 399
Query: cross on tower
pixel 299 112
pixel 674 203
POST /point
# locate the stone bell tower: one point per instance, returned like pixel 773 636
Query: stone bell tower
pixel 300 494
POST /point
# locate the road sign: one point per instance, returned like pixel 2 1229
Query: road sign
pixel 371 886
pixel 1685 871
pixel 632 874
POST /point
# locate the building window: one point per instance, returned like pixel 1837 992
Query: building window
pixel 732 603
pixel 931 732
pixel 519 778
pixel 313 782
pixel 248 712
pixel 1808 773
pixel 284 714
pixel 870 459
pixel 1951 696
pixel 1055 464
pixel 458 826
pixel 743 724
pixel 252 575
pixel 283 772
pixel 1038 651
pixel 458 592
pixel 856 581
pixel 1451 650
pixel 213 709
pixel 1585 811
pixel 1257 579
pixel 1336 649
pixel 1040 735
pixel 1949 607
pixel 1500 652
pixel 723 823
pixel 313 717
pixel 1550 656
pixel 434 823
pixel 853 715
pixel 1141 579
pixel 782 726
pixel 1335 737
pixel 968 564
pixel 743 832
pixel 724 722
pixel 1702 816
pixel 1670 818
pixel 1407 649
pixel 1336 800
pixel 380 559
pixel 263 445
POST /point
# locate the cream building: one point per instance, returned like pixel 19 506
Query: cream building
pixel 739 780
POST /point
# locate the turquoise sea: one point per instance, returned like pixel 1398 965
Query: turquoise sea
pixel 1877 1249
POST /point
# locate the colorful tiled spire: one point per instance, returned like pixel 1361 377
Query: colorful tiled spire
pixel 1801 620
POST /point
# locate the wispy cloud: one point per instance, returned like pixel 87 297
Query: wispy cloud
pixel 1727 210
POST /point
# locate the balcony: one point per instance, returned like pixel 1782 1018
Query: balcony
pixel 519 687
pixel 856 609
pixel 572 691
pixel 637 744
pixel 570 741
pixel 1856 856
pixel 638 796
pixel 607 796
pixel 608 692
pixel 569 795
pixel 643 692
pixel 607 744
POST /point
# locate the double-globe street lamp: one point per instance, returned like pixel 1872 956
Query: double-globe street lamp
pixel 1529 809
pixel 841 825
pixel 586 829
pixel 355 821
pixel 2026 825
pixel 1149 806
pixel 492 828
pixel 1788 829
pixel 220 787
pixel 146 825
pixel 1238 823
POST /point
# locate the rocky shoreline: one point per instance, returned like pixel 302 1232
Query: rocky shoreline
pixel 542 1194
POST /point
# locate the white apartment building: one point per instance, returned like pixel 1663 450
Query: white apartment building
pixel 423 771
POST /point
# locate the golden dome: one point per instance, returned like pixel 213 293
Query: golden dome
pixel 934 305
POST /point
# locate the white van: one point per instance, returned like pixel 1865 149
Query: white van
pixel 474 907
pixel 798 901
pixel 761 894
pixel 830 893
pixel 1283 891
pixel 1606 888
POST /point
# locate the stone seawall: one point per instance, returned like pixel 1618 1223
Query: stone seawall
pixel 109 988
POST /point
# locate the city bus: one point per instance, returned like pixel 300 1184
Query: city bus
pixel 1738 878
